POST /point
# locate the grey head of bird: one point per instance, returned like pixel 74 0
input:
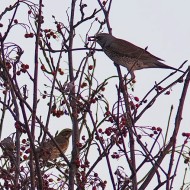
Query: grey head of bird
pixel 104 39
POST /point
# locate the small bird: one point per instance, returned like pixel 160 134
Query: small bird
pixel 127 54
pixel 8 145
pixel 48 150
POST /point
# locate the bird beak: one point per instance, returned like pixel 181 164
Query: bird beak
pixel 92 38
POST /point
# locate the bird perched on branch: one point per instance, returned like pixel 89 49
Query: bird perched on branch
pixel 49 151
pixel 127 54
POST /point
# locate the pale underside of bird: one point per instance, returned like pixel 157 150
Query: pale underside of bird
pixel 49 151
pixel 127 54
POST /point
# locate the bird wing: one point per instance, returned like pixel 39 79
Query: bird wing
pixel 130 50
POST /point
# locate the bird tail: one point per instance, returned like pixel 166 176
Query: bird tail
pixel 164 66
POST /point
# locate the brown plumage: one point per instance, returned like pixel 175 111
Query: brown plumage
pixel 129 55
pixel 48 150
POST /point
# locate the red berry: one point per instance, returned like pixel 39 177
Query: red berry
pixel 61 73
pixel 48 36
pixel 26 66
pixel 99 130
pixel 23 148
pixel 117 156
pixel 136 99
pixel 82 166
pixel 180 80
pixel 28 151
pixel 91 182
pixel 18 73
pixel 25 157
pixel 23 70
pixel 103 89
pixel 16 21
pixel 167 93
pixel 139 136
pixel 104 2
pixel 93 101
pixel 113 156
pixel 79 144
pixel 84 84
pixel 22 168
pixel 51 33
pixel 110 119
pixel 46 30
pixel 27 35
pixel 58 27
pixel 4 91
pixel 23 66
pixel 83 138
pixel 153 128
pixel 54 36
pixel 43 68
pixel 160 88
pixel 151 135
pixel 31 35
pixel 107 113
pixel 183 134
pixel 145 101
pixel 50 180
pixel 23 141
pixel 90 67
pixel 185 142
pixel 8 65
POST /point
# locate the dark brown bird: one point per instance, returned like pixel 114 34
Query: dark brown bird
pixel 128 55
pixel 48 150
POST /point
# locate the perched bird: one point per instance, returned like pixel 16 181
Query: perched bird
pixel 127 54
pixel 48 150
pixel 8 145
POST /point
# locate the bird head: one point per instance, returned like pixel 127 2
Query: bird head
pixel 66 133
pixel 103 39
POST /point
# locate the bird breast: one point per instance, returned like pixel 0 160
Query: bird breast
pixel 130 63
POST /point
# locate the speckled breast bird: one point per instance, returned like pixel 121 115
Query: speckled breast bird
pixel 127 54
pixel 48 150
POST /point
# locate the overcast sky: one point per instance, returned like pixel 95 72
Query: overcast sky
pixel 163 26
